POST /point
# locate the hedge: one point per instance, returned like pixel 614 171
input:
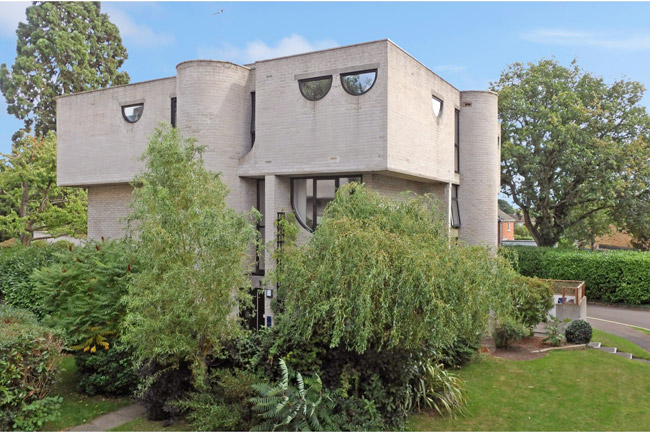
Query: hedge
pixel 610 276
pixel 16 266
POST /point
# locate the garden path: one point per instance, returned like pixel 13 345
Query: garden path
pixel 112 419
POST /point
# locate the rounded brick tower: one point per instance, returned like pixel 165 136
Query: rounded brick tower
pixel 480 167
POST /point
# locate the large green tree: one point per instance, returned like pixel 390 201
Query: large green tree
pixel 64 47
pixel 569 139
pixel 30 199
pixel 194 256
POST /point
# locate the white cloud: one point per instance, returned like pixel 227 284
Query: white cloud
pixel 259 50
pixel 612 40
pixel 11 13
pixel 135 33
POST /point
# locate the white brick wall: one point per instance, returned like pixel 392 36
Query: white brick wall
pixel 107 207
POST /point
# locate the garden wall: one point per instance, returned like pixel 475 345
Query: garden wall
pixel 611 276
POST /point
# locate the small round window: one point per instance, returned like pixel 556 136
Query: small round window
pixel 358 83
pixel 132 113
pixel 437 106
pixel 314 89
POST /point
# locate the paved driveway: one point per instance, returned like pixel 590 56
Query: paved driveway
pixel 617 321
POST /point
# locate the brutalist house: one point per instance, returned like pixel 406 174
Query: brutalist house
pixel 286 133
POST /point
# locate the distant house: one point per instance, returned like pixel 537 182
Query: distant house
pixel 506 227
pixel 614 240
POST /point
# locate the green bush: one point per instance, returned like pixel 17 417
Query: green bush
pixel 610 276
pixel 225 404
pixel 433 387
pixel 107 372
pixel 507 331
pixel 16 266
pixel 82 292
pixel 29 355
pixel 578 332
pixel 532 299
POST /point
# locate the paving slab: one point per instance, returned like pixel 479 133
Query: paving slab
pixel 607 349
pixel 112 419
pixel 624 355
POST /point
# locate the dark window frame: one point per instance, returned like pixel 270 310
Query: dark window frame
pixel 129 106
pixel 252 119
pixel 342 76
pixel 174 110
pixel 454 205
pixel 315 196
pixel 456 141
pixel 307 80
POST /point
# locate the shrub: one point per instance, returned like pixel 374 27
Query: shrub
pixel 162 387
pixel 433 387
pixel 225 405
pixel 357 414
pixel 554 334
pixel 507 331
pixel 29 355
pixel 610 276
pixel 82 292
pixel 532 299
pixel 303 407
pixel 578 332
pixel 16 266
pixel 107 372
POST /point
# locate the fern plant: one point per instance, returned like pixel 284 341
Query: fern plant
pixel 303 407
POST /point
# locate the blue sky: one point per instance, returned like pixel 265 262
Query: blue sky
pixel 466 43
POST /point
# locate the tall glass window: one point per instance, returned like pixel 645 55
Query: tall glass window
pixel 261 228
pixel 310 196
pixel 455 210
pixel 457 141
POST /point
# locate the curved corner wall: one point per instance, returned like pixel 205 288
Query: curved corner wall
pixel 480 171
pixel 213 105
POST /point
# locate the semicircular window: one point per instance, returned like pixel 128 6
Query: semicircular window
pixel 314 89
pixel 132 113
pixel 358 83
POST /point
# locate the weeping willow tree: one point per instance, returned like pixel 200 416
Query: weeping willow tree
pixel 381 274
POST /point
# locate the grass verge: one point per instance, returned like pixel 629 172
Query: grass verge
pixel 77 408
pixel 645 331
pixel 584 390
pixel 621 344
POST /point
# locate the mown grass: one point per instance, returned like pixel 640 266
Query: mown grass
pixel 621 344
pixel 584 390
pixel 143 424
pixel 77 408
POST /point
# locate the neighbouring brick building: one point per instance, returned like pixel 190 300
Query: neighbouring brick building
pixel 286 132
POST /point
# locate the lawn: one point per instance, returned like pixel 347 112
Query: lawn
pixel 585 390
pixel 621 344
pixel 77 408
